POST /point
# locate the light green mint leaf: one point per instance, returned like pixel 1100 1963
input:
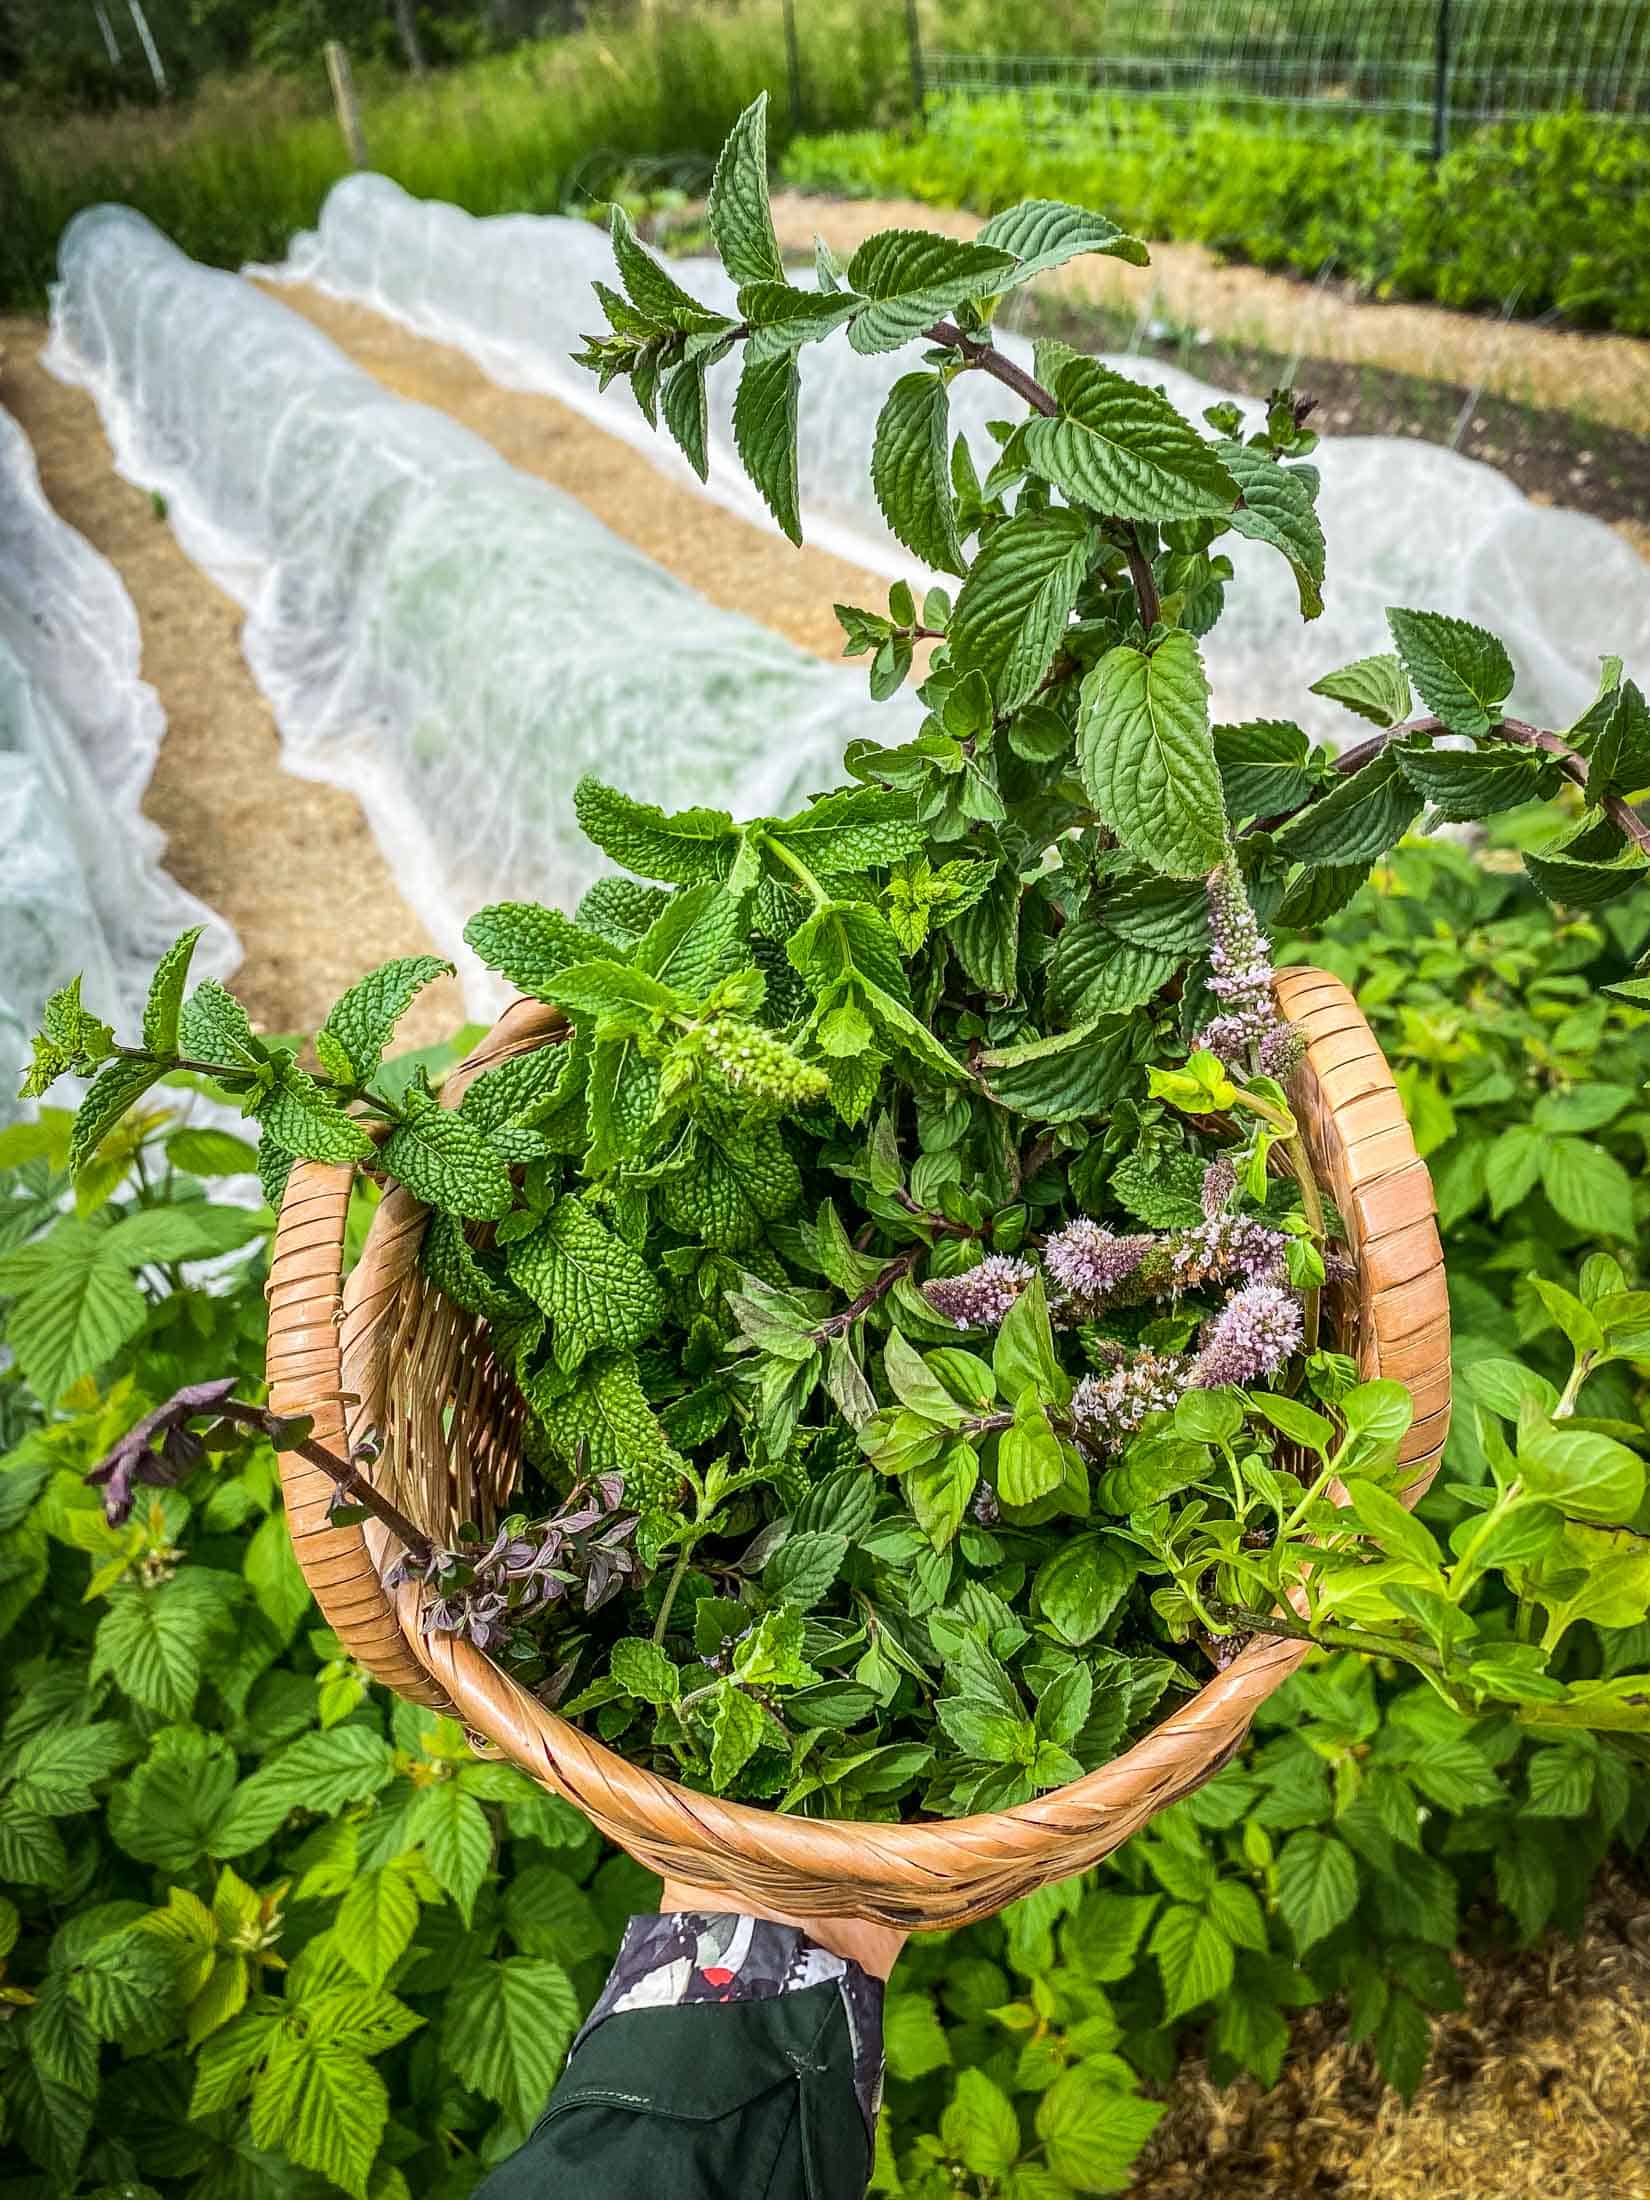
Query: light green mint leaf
pixel 681 849
pixel 590 990
pixel 653 292
pixel 165 1001
pixel 444 1160
pixel 741 224
pixel 532 946
pixel 606 1409
pixel 1017 601
pixel 1377 688
pixel 363 1022
pixel 1071 1075
pixel 738 1727
pixel 1462 674
pixel 1046 233
pixel 764 434
pixel 642 1669
pixel 1360 818
pixel 596 1289
pixel 912 278
pixel 855 829
pixel 1147 759
pixel 848 939
pixel 621 910
pixel 1093 973
pixel 624 1097
pixel 71 1028
pixel 1464 785
pixel 213 1027
pixel 1123 450
pixel 911 471
pixel 302 1119
pixel 803 1568
pixel 701 934
pixel 906 1033
pixel 116 1088
pixel 1278 508
pixel 733 1181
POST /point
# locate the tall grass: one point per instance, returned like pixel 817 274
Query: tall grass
pixel 530 131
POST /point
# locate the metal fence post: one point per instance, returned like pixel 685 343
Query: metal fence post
pixel 913 42
pixel 1440 84
pixel 344 100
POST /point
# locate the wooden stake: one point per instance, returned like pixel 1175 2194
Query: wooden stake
pixel 343 98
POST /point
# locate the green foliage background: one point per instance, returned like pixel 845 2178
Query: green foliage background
pixel 222 1851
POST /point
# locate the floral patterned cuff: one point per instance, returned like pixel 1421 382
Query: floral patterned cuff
pixel 679 1956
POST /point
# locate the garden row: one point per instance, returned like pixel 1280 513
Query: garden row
pixel 1547 216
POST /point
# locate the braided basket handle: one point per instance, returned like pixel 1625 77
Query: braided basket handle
pixel 331 1356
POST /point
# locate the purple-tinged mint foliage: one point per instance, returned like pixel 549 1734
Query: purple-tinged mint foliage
pixel 1088 1262
pixel 1252 1336
pixel 982 1295
pixel 135 1459
pixel 1107 1409
pixel 588 1546
pixel 1241 978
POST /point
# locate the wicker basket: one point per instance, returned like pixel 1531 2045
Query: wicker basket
pixel 385 1352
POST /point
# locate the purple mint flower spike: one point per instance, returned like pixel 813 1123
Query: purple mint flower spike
pixel 1251 1337
pixel 1229 1247
pixel 1089 1263
pixel 1240 977
pixel 1107 1409
pixel 981 1295
pixel 1219 1183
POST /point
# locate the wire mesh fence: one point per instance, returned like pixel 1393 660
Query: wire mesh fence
pixel 1423 71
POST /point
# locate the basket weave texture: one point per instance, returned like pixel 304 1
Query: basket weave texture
pixel 385 1352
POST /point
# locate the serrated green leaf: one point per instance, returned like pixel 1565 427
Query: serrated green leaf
pixel 1464 785
pixel 1046 233
pixel 1588 867
pixel 116 1087
pixel 607 1409
pixel 451 1828
pixel 736 208
pixel 1194 1957
pixel 764 435
pixel 855 829
pixel 1263 767
pixel 444 1160
pixel 1017 602
pixel 1462 674
pixel 733 1181
pixel 363 1022
pixel 654 292
pixel 979 2127
pixel 1278 508
pixel 1093 2132
pixel 911 471
pixel 1377 688
pixel 1317 1885
pixel 1071 1075
pixel 301 1118
pixel 324 2105
pixel 682 848
pixel 530 945
pixel 375 1921
pixel 912 278
pixel 74 1306
pixel 1122 449
pixel 505 2028
pixel 213 1027
pixel 596 1289
pixel 1147 757
pixel 1363 814
pixel 165 999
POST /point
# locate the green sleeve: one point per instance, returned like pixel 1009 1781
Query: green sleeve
pixel 748 2100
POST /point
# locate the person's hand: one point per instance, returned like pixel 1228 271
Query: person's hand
pixel 872 1947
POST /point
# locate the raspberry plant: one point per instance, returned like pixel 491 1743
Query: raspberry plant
pixel 908 1251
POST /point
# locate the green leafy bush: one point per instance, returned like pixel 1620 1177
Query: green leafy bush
pixel 1550 214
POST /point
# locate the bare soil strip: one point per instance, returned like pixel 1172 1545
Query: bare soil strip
pixel 1604 378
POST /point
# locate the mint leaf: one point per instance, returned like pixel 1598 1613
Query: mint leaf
pixel 302 1118
pixel 596 1289
pixel 764 435
pixel 856 829
pixel 682 848
pixel 213 1027
pixel 685 405
pixel 1278 508
pixel 1123 449
pixel 607 1410
pixel 363 1022
pixel 911 278
pixel 642 1669
pixel 116 1087
pixel 1358 820
pixel 444 1160
pixel 654 293
pixel 1587 867
pixel 530 945
pixel 1462 674
pixel 781 320
pixel 736 210
pixel 1377 688
pixel 1045 233
pixel 1263 767
pixel 1464 785
pixel 1147 758
pixel 1017 602
pixel 1066 1077
pixel 911 471
pixel 161 1009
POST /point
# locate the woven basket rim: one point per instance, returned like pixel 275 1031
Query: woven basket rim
pixel 732 1842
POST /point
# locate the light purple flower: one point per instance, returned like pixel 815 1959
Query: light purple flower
pixel 1240 977
pixel 981 1295
pixel 1107 1409
pixel 1227 1248
pixel 1088 1262
pixel 1219 1183
pixel 1251 1337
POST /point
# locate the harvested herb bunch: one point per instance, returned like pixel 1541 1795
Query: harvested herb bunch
pixel 908 1253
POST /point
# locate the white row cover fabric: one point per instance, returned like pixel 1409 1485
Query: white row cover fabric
pixel 1407 523
pixel 450 640
pixel 82 886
